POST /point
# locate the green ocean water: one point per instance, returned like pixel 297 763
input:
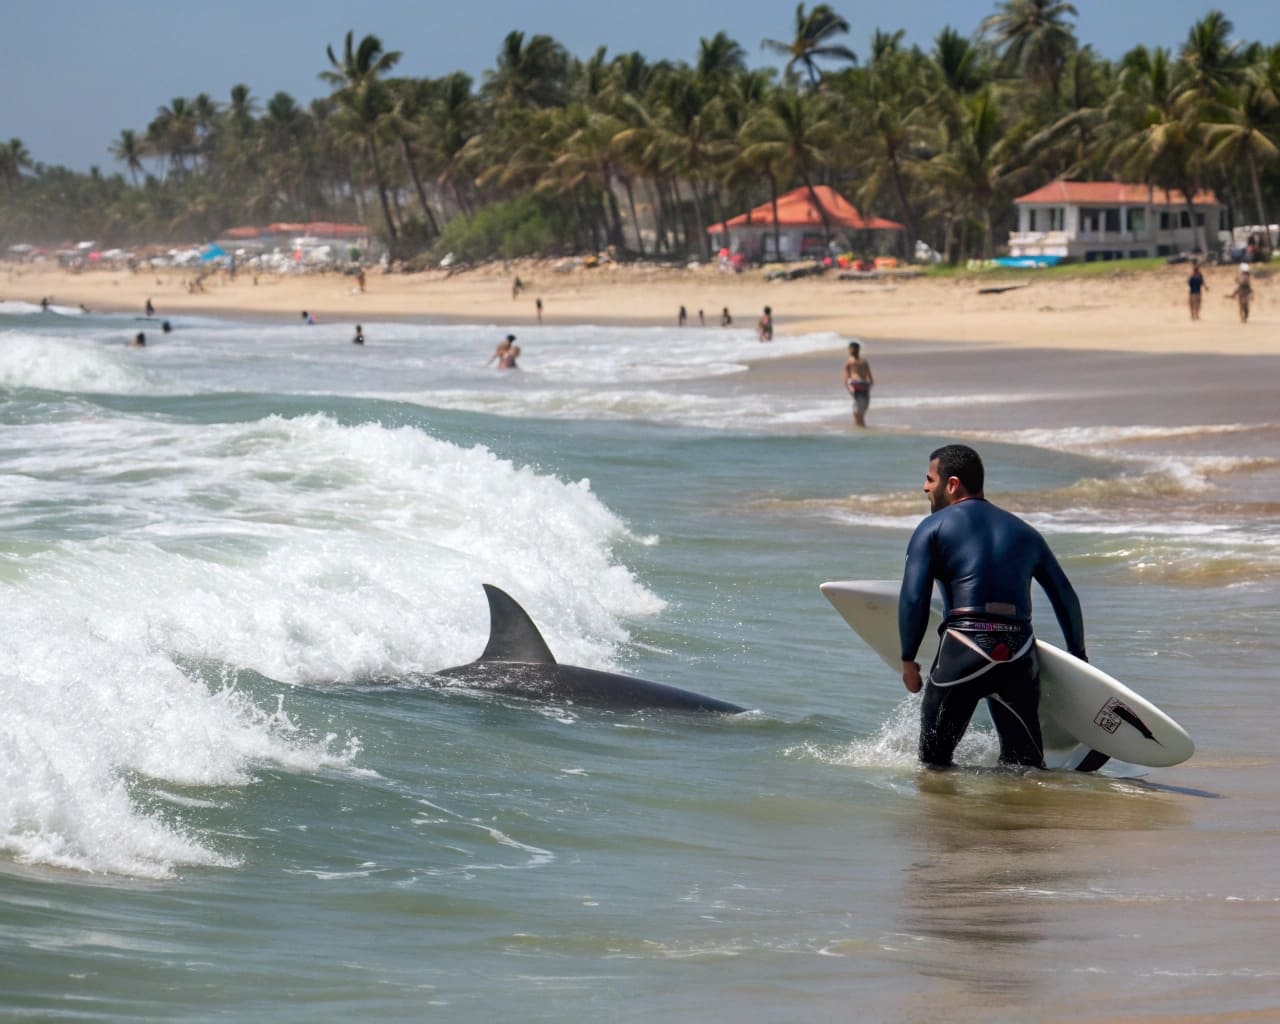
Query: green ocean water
pixel 207 812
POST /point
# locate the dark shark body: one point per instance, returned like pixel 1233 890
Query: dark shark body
pixel 517 661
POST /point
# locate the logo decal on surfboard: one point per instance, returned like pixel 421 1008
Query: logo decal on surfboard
pixel 1116 711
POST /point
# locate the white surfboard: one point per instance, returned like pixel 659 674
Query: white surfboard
pixel 1082 709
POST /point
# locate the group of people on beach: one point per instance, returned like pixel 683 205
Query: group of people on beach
pixel 764 326
pixel 1243 293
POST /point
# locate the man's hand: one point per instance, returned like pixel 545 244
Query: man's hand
pixel 911 676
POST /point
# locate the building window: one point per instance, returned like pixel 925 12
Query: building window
pixel 1057 218
pixel 1185 219
pixel 1031 219
pixel 1111 219
pixel 1166 221
pixel 1135 220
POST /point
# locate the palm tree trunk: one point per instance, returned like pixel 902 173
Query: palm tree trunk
pixel 631 203
pixel 700 221
pixel 382 187
pixel 1257 198
pixel 822 210
pixel 407 152
pixel 777 228
pixel 900 186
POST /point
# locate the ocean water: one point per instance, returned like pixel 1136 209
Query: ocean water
pixel 228 560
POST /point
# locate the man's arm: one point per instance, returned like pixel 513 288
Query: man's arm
pixel 913 602
pixel 1066 606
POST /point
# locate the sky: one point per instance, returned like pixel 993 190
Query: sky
pixel 74 73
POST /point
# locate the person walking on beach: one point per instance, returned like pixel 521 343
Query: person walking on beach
pixel 764 329
pixel 681 317
pixel 538 305
pixel 503 347
pixel 1195 285
pixel 359 338
pixel 984 558
pixel 858 381
pixel 725 319
pixel 1243 293
pixel 151 310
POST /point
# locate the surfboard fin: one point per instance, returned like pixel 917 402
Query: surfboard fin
pixel 512 634
pixel 1092 761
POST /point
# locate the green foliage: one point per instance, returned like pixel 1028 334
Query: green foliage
pixel 551 153
pixel 525 226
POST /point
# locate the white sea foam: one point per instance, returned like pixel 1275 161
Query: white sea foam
pixel 70 364
pixel 306 550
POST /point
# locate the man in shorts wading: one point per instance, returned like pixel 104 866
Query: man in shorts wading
pixel 984 558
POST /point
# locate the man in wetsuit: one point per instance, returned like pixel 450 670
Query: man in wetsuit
pixel 984 558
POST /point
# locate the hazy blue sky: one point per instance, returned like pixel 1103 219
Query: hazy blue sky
pixel 73 73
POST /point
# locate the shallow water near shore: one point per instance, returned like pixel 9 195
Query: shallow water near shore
pixel 228 559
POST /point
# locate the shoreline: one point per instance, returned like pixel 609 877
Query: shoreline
pixel 1129 311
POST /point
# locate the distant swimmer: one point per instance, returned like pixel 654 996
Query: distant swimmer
pixel 359 338
pixel 140 341
pixel 504 346
pixel 307 318
pixel 44 304
pixel 151 310
pixel 166 327
pixel 508 361
pixel 84 308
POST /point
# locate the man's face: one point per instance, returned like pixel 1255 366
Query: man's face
pixel 934 486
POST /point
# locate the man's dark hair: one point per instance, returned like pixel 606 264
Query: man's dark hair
pixel 962 462
pixel 855 348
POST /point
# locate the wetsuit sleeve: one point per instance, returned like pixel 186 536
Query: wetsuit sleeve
pixel 917 589
pixel 1066 606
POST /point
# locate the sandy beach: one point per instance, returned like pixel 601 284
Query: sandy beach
pixel 1122 311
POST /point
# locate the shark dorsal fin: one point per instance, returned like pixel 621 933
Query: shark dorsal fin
pixel 512 634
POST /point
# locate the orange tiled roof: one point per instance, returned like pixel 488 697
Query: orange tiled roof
pixel 796 209
pixel 1103 193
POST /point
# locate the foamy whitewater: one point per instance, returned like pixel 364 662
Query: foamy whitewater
pixel 231 561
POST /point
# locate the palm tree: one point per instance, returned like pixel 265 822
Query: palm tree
pixel 809 134
pixel 1157 127
pixel 412 98
pixel 1250 135
pixel 361 95
pixel 1214 63
pixel 533 74
pixel 1031 36
pixel 128 149
pixel 978 164
pixel 719 59
pixel 814 32
pixel 14 159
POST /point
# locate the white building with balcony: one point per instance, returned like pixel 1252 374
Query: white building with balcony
pixel 1112 220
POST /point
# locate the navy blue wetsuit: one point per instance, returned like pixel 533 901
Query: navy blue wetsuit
pixel 984 558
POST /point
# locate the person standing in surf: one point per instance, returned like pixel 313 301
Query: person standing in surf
pixel 858 381
pixel 984 559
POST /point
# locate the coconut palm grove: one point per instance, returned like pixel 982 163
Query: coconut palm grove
pixel 552 153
